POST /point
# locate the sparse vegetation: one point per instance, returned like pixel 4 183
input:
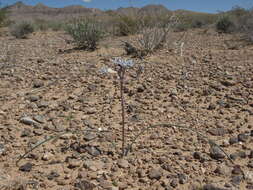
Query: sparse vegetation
pixel 148 41
pixel 3 16
pixel 86 33
pixel 225 24
pixel 127 25
pixel 43 25
pixel 21 29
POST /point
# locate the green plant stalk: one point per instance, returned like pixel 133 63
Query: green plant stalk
pixel 122 74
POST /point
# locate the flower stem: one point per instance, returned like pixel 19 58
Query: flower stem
pixel 122 73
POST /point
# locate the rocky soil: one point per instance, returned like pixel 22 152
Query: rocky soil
pixel 48 88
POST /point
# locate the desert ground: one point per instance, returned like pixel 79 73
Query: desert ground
pixel 48 87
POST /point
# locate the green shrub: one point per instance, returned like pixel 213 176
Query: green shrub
pixel 22 29
pixel 225 25
pixel 86 33
pixel 245 25
pixel 3 16
pixel 127 25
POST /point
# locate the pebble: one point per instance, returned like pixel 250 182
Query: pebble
pixel 237 170
pixel 222 169
pixel 93 165
pixel 216 153
pixel 94 151
pixel 122 163
pixel 155 173
pixel 174 183
pixel 38 84
pixel 52 175
pixel 26 167
pixel 250 164
pixel 236 180
pixel 233 140
pixel 34 98
pixel 243 137
pixel 89 136
pixel 28 121
pixel 2 148
pixel 182 178
pixel 42 104
pixel 218 131
pixel 249 176
pixel 251 154
pixel 39 119
pixel 84 185
pixel 211 187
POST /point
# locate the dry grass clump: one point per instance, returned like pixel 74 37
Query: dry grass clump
pixel 86 33
pixel 21 29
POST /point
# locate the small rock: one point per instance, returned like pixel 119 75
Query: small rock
pixel 236 180
pixel 26 133
pixel 47 156
pixel 28 121
pixel 228 83
pixel 39 119
pixel 211 187
pixel 26 167
pixel 155 173
pixel 197 155
pixel 222 169
pixel 42 104
pixel 122 163
pixel 38 84
pixel 140 89
pixel 251 154
pixel 249 176
pixel 233 140
pixel 2 148
pixel 250 164
pixel 90 111
pixel 94 165
pixel 34 98
pixel 237 170
pixel 52 175
pixel 182 178
pixel 243 137
pixel 94 151
pixel 218 131
pixel 174 183
pixel 74 163
pixel 211 106
pixel 84 185
pixel 105 184
pixel 216 153
pixel 89 136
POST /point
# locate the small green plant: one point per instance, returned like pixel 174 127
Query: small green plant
pixel 224 24
pixel 22 29
pixel 123 65
pixel 86 33
pixel 127 25
pixel 3 16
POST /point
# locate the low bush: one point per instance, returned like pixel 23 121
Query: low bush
pixel 3 16
pixel 245 25
pixel 148 41
pixel 127 25
pixel 22 29
pixel 43 25
pixel 86 33
pixel 225 24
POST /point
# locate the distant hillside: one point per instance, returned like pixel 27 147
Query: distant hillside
pixel 21 11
